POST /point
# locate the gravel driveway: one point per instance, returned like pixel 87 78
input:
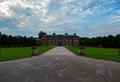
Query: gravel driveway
pixel 59 65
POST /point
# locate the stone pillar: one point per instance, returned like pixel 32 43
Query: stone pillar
pixel 34 51
pixel 81 51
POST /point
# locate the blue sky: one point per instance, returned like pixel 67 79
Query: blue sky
pixel 87 18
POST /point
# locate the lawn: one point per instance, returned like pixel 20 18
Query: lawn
pixel 98 53
pixel 20 52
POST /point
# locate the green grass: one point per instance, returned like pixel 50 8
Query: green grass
pixel 42 49
pixel 75 50
pixel 98 53
pixel 20 52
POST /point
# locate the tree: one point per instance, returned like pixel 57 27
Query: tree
pixel 41 33
pixel 0 44
pixel 82 41
pixel 4 40
pixel 117 41
pixel 10 40
pixel 32 41
pixel 25 40
pixel 93 41
pixel 0 39
pixel 105 41
pixel 110 41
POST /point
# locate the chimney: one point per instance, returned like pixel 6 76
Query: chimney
pixel 66 33
pixel 53 33
pixel 74 34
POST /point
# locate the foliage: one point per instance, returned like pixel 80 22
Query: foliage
pixel 20 52
pixel 12 41
pixel 98 53
pixel 106 41
pixel 41 33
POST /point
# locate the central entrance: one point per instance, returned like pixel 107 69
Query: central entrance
pixel 60 42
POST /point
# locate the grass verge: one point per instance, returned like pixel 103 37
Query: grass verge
pixel 7 54
pixel 98 53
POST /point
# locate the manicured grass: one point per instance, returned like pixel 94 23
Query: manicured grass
pixel 42 49
pixel 20 52
pixel 98 53
pixel 75 50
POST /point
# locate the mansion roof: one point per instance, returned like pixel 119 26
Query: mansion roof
pixel 66 36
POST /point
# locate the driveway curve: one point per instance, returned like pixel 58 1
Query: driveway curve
pixel 59 65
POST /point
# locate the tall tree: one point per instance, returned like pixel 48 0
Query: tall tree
pixel 10 40
pixel 0 40
pixel 0 44
pixel 4 40
pixel 41 33
pixel 117 41
pixel 110 41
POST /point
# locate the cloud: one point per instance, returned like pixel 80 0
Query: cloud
pixel 47 19
pixel 4 9
pixel 4 29
pixel 6 4
pixel 22 24
pixel 87 8
pixel 118 11
pixel 113 20
pixel 81 16
pixel 104 32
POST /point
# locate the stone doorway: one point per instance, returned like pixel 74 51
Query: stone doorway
pixel 60 44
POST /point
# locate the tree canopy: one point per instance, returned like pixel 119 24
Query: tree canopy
pixel 12 41
pixel 105 41
pixel 41 33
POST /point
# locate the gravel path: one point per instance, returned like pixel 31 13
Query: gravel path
pixel 59 65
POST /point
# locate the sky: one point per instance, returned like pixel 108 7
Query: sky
pixel 86 18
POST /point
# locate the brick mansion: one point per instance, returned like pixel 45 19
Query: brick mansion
pixel 59 40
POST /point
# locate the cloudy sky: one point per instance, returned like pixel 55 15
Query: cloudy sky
pixel 87 18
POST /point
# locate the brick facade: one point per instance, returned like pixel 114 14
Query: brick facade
pixel 60 40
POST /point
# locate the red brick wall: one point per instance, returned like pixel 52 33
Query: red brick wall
pixel 52 42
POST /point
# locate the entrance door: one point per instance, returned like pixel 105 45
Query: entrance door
pixel 60 42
